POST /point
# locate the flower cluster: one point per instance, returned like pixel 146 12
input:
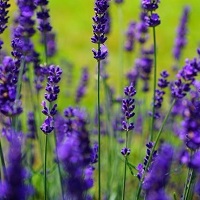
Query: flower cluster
pixel 130 36
pixel 162 84
pixel 52 90
pixel 152 19
pixel 3 17
pixel 14 186
pixel 186 77
pixel 43 16
pixel 9 105
pixel 75 155
pixel 144 64
pixel 157 178
pixel 128 107
pixel 142 167
pixel 99 37
pixel 181 40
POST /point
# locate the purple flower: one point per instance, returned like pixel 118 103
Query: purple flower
pixel 142 167
pixel 181 41
pixel 54 76
pixel 99 25
pixel 74 153
pixel 152 20
pixel 125 151
pixel 3 17
pixel 15 187
pixel 142 29
pixel 130 36
pixel 158 176
pixel 43 16
pixel 150 5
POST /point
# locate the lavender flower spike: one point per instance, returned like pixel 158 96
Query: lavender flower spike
pixel 181 40
pixel 3 17
pixel 99 26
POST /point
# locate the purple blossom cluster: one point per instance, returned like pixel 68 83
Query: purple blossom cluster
pixel 4 5
pixel 158 177
pixel 99 26
pixel 52 90
pixel 181 41
pixel 76 155
pixel 162 84
pixel 152 19
pixel 185 78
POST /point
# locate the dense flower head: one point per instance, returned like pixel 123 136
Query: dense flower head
pixel 152 20
pixel 54 76
pixel 142 29
pixel 186 77
pixel 100 19
pixel 128 107
pixel 181 41
pixel 159 93
pixel 43 16
pixel 157 178
pixel 9 104
pixel 74 153
pixel 142 167
pixel 150 5
pixel 14 187
pixel 4 5
pixel 144 64
pixel 130 36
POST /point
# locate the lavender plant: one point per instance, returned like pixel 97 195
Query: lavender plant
pixel 161 162
pixel 99 38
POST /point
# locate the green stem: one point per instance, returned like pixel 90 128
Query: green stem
pixel 125 164
pixel 45 167
pixel 154 83
pixel 99 129
pixel 59 168
pixel 188 183
pixel 153 149
pixel 3 161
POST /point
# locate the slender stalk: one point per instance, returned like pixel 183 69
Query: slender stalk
pixel 125 166
pixel 59 168
pixel 45 167
pixel 153 149
pixel 3 161
pixel 188 183
pixel 154 83
pixel 99 129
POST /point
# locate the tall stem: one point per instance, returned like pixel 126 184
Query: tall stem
pixel 3 161
pixel 153 149
pixel 188 183
pixel 125 164
pixel 99 129
pixel 45 167
pixel 154 83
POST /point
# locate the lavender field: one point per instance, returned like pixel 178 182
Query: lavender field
pixel 99 100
